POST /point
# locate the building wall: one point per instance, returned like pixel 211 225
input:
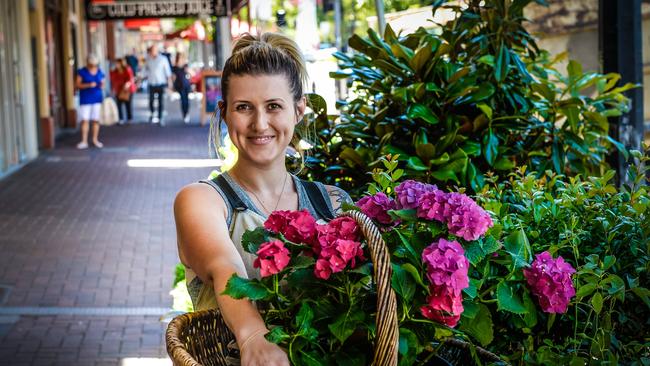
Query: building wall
pixel 572 26
pixel 18 136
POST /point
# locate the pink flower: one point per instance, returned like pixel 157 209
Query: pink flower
pixel 408 193
pixel 464 218
pixel 468 220
pixel 443 306
pixel 446 265
pixel 296 226
pixel 337 264
pixel 339 228
pixel 272 257
pixel 347 249
pixel 301 228
pixel 433 206
pixel 377 206
pixel 277 221
pixel 322 269
pixel 550 281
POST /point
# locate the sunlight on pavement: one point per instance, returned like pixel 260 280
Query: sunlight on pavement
pixel 173 163
pixel 145 361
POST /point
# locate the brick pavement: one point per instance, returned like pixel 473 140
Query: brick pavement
pixel 81 230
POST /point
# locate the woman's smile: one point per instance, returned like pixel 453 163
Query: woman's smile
pixel 261 140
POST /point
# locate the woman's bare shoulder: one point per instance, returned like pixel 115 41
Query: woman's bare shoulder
pixel 199 197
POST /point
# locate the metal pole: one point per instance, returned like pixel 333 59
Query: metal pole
pixel 338 41
pixel 381 20
pixel 621 52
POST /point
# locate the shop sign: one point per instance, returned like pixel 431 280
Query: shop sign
pixel 129 9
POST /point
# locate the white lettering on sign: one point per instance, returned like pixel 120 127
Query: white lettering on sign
pixel 153 9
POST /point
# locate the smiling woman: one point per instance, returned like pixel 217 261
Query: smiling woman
pixel 262 87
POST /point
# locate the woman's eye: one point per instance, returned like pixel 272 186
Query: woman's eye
pixel 242 107
pixel 273 106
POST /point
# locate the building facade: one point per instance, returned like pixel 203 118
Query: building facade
pixel 42 42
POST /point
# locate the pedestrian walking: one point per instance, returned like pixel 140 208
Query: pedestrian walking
pixel 123 86
pixel 159 78
pixel 89 81
pixel 263 101
pixel 182 85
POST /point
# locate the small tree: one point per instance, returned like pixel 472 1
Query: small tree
pixel 471 96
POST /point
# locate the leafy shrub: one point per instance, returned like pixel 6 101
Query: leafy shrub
pixel 472 96
pixel 603 232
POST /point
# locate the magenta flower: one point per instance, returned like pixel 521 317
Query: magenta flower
pixel 322 269
pixel 434 206
pixel 272 257
pixel 301 228
pixel 408 193
pixel 464 218
pixel 443 305
pixel 550 281
pixel 339 228
pixel 468 220
pixel 446 265
pixel 377 206
pixel 296 226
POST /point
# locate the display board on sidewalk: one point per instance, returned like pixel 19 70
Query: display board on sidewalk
pixel 211 90
pixel 129 9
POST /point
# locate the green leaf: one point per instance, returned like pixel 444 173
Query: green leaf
pixel 408 267
pixel 277 335
pixel 504 164
pixel 402 284
pixel 423 112
pixel 531 316
pixel 408 346
pixel 304 317
pixel 486 110
pixel 508 300
pixel 415 258
pixel 643 293
pixel 597 302
pixel 239 288
pixel 416 163
pixel 444 175
pixel 490 145
pixel 575 69
pixel 480 327
pixel 484 91
pixel 406 215
pixel 585 290
pixel 311 359
pixel 503 61
pixel 517 245
pixel 345 324
pixel 252 239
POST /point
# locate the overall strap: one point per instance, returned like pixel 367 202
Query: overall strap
pixel 235 202
pixel 317 199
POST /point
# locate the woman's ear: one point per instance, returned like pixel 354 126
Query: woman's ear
pixel 300 109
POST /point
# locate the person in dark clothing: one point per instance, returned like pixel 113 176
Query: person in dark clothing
pixel 182 84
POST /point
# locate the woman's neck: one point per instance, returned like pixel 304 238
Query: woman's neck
pixel 259 179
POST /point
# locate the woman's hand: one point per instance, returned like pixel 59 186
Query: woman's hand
pixel 257 351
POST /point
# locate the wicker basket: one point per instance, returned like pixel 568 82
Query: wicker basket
pixel 203 339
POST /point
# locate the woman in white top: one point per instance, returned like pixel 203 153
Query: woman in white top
pixel 262 84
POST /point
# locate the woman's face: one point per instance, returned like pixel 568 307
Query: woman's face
pixel 261 115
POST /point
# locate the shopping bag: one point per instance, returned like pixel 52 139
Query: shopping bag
pixel 109 115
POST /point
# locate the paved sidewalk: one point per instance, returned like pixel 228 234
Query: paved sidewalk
pixel 88 247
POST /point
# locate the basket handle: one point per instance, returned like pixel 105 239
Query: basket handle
pixel 387 339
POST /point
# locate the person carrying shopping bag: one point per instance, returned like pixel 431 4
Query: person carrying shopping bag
pixel 123 87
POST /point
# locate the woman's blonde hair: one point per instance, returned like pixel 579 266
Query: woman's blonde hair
pixel 267 54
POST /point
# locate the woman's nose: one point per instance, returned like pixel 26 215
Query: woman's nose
pixel 261 121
